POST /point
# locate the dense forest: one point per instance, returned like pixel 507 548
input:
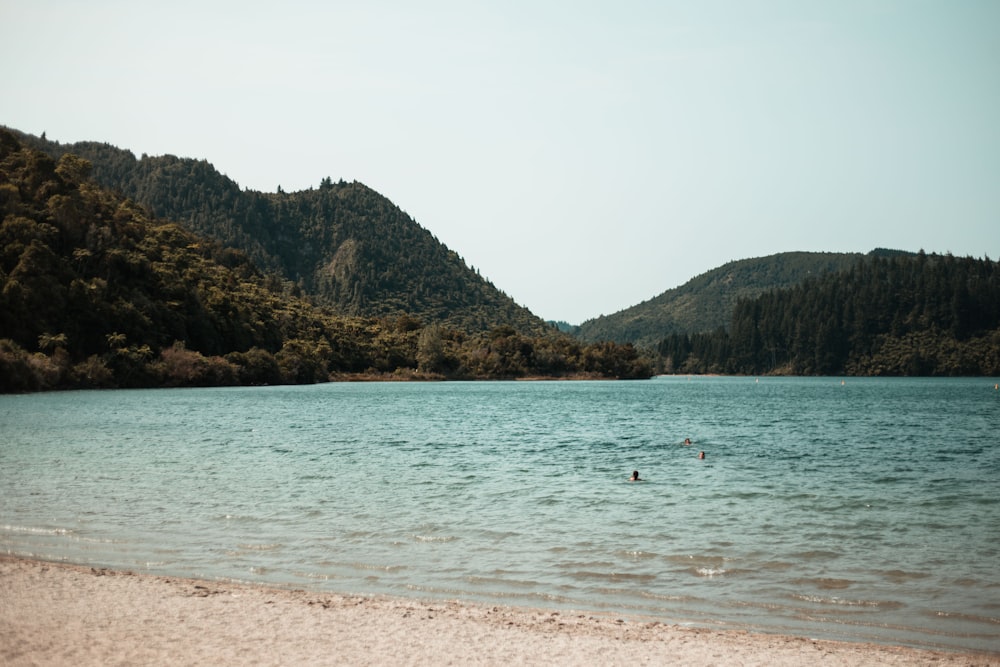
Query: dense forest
pixel 706 302
pixel 342 244
pixel 125 272
pixel 889 314
pixel 95 291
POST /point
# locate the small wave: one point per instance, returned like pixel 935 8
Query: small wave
pixel 991 620
pixel 435 538
pixel 751 495
pixel 497 536
pixel 710 572
pixel 662 597
pixel 966 582
pixel 817 554
pixel 889 480
pixel 901 576
pixel 843 602
pixel 933 525
pixel 261 547
pixel 589 575
pixel 581 565
pixel 690 561
pixel 316 576
pixel 35 530
pixel 475 580
pixel 636 554
pixel 376 567
pixel 826 583
pixel 778 565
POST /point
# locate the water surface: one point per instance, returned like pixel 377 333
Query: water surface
pixel 865 510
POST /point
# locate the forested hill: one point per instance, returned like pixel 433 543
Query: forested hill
pixel 342 244
pixel 706 302
pixel 94 292
pixel 887 315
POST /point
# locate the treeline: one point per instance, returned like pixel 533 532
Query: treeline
pixel 342 244
pixel 927 315
pixel 96 292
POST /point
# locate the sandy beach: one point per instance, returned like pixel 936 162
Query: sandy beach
pixel 57 614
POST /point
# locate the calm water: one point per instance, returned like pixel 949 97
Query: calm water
pixel 868 510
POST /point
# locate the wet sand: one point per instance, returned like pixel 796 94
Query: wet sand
pixel 57 614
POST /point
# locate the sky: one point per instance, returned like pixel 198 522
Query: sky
pixel 583 156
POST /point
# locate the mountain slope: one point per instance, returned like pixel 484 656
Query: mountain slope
pixel 99 288
pixel 95 292
pixel 887 315
pixel 343 244
pixel 706 302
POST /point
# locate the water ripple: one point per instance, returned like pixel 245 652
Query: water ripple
pixel 822 509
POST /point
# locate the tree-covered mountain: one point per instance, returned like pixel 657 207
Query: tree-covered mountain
pixel 96 292
pixel 895 314
pixel 342 244
pixel 706 302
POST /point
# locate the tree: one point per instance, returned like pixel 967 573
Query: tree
pixel 431 356
pixel 73 168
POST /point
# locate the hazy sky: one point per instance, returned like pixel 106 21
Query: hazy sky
pixel 584 156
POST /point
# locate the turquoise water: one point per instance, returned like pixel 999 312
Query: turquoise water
pixel 867 510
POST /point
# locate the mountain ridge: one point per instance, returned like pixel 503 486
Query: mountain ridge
pixel 345 245
pixel 350 248
pixel 706 302
pixel 97 293
pixel 890 314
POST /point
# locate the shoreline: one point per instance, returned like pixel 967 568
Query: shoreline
pixel 56 613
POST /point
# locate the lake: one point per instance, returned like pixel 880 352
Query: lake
pixel 863 509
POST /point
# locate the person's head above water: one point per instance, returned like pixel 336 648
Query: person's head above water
pixel 635 476
pixel 701 455
pixel 687 441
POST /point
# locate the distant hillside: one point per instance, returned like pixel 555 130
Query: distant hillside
pixel 889 314
pixel 706 302
pixel 342 244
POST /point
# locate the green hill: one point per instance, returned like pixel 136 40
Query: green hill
pixel 342 244
pixel 889 314
pixel 96 292
pixel 706 302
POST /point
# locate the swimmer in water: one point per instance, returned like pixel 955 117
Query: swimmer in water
pixel 635 477
pixel 687 442
pixel 701 455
